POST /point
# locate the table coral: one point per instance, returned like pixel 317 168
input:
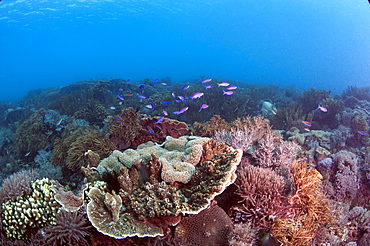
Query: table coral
pixel 149 201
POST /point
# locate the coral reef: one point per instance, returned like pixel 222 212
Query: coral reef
pixel 33 135
pixel 23 216
pixel 211 226
pixel 157 132
pixel 70 228
pixel 310 209
pixel 148 202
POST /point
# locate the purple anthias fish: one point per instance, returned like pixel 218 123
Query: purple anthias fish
pixel 165 112
pixel 206 80
pixel 180 111
pixel 227 93
pixel 196 95
pixel 323 109
pixel 203 106
pixel 208 86
pixel 185 87
pixel 231 88
pixel 159 120
pixel 223 84
pixel 173 95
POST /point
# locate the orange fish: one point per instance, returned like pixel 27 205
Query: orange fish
pixel 117 117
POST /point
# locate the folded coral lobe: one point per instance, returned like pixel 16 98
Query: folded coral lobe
pixel 182 176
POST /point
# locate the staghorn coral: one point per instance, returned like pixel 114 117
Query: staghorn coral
pixel 211 226
pixel 28 213
pixel 310 209
pixel 70 228
pixel 148 203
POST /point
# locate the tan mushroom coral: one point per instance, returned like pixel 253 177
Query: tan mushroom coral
pixel 160 185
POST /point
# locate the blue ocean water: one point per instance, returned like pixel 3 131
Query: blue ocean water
pixel 306 43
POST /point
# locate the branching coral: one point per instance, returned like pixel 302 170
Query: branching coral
pixel 310 208
pixel 263 195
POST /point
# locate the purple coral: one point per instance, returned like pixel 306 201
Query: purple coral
pixel 71 229
pixel 18 184
pixel 346 182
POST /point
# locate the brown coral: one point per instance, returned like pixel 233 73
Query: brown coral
pixel 209 227
pixel 310 208
pixel 71 228
pixel 158 132
pixel 148 203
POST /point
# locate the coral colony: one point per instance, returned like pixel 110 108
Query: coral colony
pixel 206 162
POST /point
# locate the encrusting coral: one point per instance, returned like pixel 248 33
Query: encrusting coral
pixel 150 203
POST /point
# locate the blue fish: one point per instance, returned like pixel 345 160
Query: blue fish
pixel 149 129
pixel 164 102
pixel 159 120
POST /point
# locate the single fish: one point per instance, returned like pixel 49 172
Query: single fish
pixel 323 109
pixel 129 94
pixel 173 95
pixel 165 112
pixel 165 102
pixel 120 89
pixel 229 93
pixel 181 98
pixel 150 84
pixel 306 123
pixel 156 80
pixel 196 95
pixel 362 133
pixel 117 117
pixel 27 154
pixel 203 106
pixel 206 80
pixel 208 86
pixel 163 83
pixel 149 129
pixel 149 106
pixel 273 111
pixel 152 104
pixel 141 87
pixel 159 120
pixel 112 107
pixel 180 111
pixel 231 88
pixel 142 96
pixel 223 84
pixel 185 87
pixel 183 110
pixel 109 91
pixel 120 97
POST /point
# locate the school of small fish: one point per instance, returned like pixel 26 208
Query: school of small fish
pixel 177 98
